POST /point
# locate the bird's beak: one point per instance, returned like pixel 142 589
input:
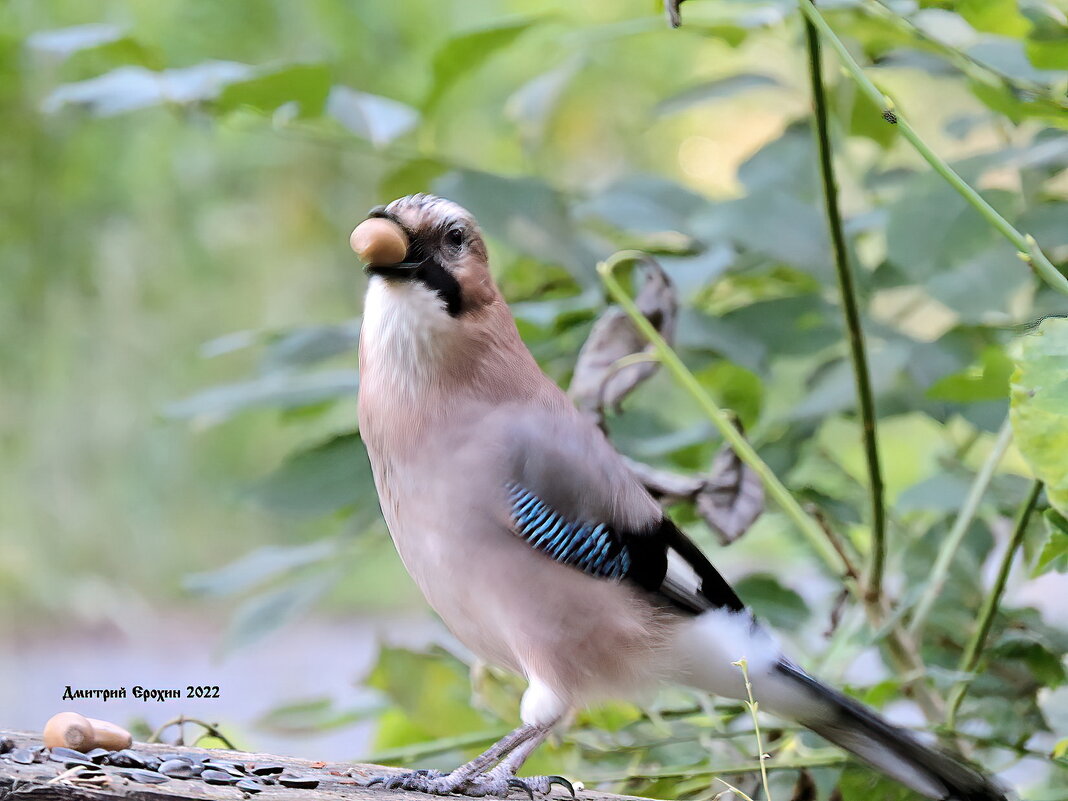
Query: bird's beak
pixel 382 245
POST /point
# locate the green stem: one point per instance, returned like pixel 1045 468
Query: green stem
pixel 1028 248
pixel 974 650
pixel 903 652
pixel 408 753
pixel 819 761
pixel 857 350
pixel 940 572
pixel 720 418
pixel 752 704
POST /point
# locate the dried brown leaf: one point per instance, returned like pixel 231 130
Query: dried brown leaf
pixel 664 485
pixel 732 498
pixel 600 380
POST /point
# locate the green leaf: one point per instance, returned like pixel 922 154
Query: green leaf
pixel 315 716
pixel 775 224
pixel 941 493
pixel 1018 106
pixel 716 90
pixel 859 783
pixel 258 567
pixel 264 613
pixel 300 347
pixel 61 43
pixel 734 388
pixel 279 391
pixel 1041 658
pixel 989 380
pixel 1009 57
pixel 833 389
pixel 464 53
pixel 1002 17
pixel 910 444
pixel 932 227
pixel 1054 554
pixel 379 120
pixel 780 606
pixel 431 693
pixel 1047 46
pixel 646 204
pixel 981 287
pixel 864 117
pixel 99 45
pixel 307 85
pixel 610 715
pixel 1040 407
pixel 131 88
pixel 331 476
pixel 533 105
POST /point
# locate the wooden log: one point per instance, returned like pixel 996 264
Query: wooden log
pixel 338 781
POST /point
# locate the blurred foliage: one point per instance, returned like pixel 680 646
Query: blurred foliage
pixel 187 171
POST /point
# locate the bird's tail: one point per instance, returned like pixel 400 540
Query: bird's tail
pixel 856 728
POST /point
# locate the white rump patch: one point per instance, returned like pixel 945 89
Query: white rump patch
pixel 707 645
pixel 540 705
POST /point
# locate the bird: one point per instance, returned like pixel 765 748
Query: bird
pixel 530 537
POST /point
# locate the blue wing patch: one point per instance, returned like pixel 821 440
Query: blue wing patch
pixel 593 548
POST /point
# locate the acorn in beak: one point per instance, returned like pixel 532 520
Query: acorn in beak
pixel 382 245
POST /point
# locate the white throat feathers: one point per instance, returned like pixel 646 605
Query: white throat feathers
pixel 406 329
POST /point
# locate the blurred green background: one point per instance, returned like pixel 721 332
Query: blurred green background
pixel 184 494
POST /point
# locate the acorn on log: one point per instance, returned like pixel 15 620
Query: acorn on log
pixel 71 730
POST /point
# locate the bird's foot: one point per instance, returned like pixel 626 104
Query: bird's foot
pixel 541 785
pixel 480 785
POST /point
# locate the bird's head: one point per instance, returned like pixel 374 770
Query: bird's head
pixel 433 313
pixel 429 251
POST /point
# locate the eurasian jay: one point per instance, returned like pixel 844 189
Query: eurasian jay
pixel 534 542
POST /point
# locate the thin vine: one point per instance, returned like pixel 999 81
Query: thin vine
pixel 854 327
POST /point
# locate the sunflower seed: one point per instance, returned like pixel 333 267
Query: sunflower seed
pixel 97 754
pixel 192 759
pixel 24 756
pixel 178 769
pixel 84 763
pixel 144 776
pixel 267 770
pixel 126 758
pixel 213 776
pixel 230 767
pixel 298 782
pixel 249 786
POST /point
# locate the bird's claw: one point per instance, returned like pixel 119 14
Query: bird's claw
pixel 519 784
pixel 563 783
pixel 544 784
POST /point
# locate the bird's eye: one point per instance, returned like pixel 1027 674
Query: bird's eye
pixel 455 237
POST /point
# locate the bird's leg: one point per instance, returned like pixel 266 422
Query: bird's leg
pixel 508 767
pixel 473 778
